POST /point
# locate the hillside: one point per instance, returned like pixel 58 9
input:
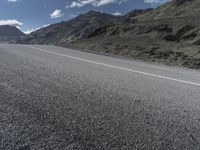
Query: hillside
pixel 177 9
pixel 10 34
pixel 169 34
pixel 78 28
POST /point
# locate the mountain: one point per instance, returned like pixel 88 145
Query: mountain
pixel 10 34
pixel 179 2
pixel 169 34
pixel 137 12
pixel 176 9
pixel 78 28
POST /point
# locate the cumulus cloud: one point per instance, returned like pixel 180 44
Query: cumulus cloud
pixel 56 14
pixel 35 29
pixel 96 3
pixel 15 23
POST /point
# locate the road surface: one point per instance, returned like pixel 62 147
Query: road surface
pixel 53 98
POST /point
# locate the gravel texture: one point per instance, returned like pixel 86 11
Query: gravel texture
pixel 52 102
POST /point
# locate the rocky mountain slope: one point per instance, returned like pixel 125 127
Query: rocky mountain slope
pixel 10 34
pixel 78 28
pixel 169 34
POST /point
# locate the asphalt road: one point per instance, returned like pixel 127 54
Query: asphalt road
pixel 53 98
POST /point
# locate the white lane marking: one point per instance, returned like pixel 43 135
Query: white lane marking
pixel 116 67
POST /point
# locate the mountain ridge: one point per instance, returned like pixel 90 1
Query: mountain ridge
pixel 168 34
pixel 77 28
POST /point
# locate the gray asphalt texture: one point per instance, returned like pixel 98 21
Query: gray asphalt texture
pixel 51 102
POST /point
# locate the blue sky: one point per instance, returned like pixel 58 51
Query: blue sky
pixel 29 15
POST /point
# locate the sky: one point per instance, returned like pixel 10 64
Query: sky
pixel 30 15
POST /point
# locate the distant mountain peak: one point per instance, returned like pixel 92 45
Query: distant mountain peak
pixel 80 27
pixel 7 30
pixel 10 33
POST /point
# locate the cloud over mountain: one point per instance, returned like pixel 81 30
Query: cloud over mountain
pixel 34 29
pixel 96 3
pixel 156 1
pixel 15 23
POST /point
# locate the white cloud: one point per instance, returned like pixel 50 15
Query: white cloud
pixel 96 3
pixel 156 1
pixel 13 1
pixel 15 23
pixel 151 1
pixel 117 13
pixel 35 29
pixel 105 2
pixel 56 14
pixel 75 4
